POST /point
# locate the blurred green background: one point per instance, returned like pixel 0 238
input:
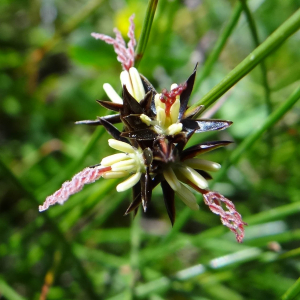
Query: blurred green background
pixel 51 73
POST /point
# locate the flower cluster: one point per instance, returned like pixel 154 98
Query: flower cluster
pixel 156 129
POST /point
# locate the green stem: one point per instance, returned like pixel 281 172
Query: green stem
pixel 265 82
pixel 85 281
pixel 252 60
pixel 219 46
pixel 134 253
pixel 142 44
pixel 251 139
pixel 293 291
pixel 8 292
pixel 263 68
pixel 237 258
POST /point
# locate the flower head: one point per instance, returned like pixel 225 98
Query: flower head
pixel 152 144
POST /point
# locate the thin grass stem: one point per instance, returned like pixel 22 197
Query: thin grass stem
pixel 8 292
pixel 293 291
pixel 85 281
pixel 255 38
pixel 219 46
pixel 143 40
pixel 275 40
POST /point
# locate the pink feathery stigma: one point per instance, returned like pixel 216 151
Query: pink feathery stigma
pixel 168 98
pixel 68 188
pixel 124 55
pixel 230 218
pixel 132 42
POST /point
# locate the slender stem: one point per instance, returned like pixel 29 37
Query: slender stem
pixel 219 46
pixel 142 44
pixel 252 60
pixel 252 138
pixel 8 292
pixel 265 82
pixel 292 292
pixel 134 253
pixel 50 275
pixel 85 281
pixel 219 263
pixel 263 68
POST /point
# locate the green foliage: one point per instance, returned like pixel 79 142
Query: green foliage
pixel 51 73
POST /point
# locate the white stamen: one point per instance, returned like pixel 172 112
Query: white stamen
pixel 187 197
pixel 171 178
pixel 202 164
pixel 160 116
pixel 112 94
pixel 121 146
pixel 138 88
pixel 145 119
pixel 174 129
pixel 174 111
pixel 125 80
pixel 129 183
pixel 112 159
pixel 112 175
pixel 193 176
pixel 125 165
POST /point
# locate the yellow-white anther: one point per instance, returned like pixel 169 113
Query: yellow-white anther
pixel 112 175
pixel 193 176
pixel 124 165
pixel 171 178
pixel 145 119
pixel 112 94
pixel 121 146
pixel 174 129
pixel 129 183
pixel 112 159
pixel 174 111
pixel 160 116
pixel 137 85
pixel 125 80
pixel 202 164
pixel 187 197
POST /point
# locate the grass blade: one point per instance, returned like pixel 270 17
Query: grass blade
pixel 85 281
pixel 142 44
pixel 8 292
pixel 293 291
pixel 219 46
pixel 275 40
